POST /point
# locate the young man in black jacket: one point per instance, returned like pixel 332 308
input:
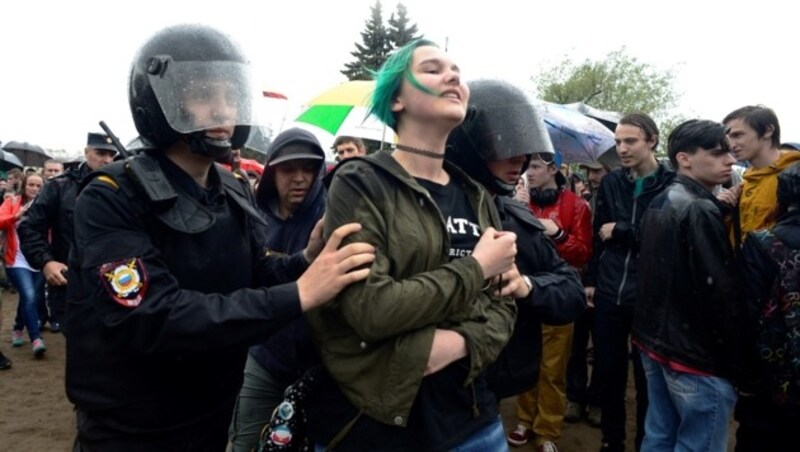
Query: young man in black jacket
pixel 611 281
pixel 688 322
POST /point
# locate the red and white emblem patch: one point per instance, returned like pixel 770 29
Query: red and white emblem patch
pixel 125 280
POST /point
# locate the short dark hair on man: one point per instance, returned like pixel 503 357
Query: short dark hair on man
pixel 342 139
pixel 694 134
pixel 760 118
pixel 645 123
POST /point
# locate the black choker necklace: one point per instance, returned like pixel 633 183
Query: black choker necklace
pixel 422 152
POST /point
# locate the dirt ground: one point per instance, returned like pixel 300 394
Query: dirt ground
pixel 35 414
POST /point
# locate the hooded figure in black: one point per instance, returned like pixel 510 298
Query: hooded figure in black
pixel 502 130
pixel 292 197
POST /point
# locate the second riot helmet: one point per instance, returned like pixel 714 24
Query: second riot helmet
pixel 501 123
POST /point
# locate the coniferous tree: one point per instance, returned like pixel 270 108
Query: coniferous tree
pixel 400 32
pixel 373 50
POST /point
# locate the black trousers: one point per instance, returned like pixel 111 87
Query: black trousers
pixel 612 352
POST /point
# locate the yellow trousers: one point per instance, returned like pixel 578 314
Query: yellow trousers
pixel 541 409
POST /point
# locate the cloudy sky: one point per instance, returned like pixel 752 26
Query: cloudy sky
pixel 64 65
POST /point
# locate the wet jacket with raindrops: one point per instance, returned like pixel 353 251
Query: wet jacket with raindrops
pixel 690 307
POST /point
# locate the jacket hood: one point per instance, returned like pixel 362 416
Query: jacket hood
pixel 266 194
pixel 786 159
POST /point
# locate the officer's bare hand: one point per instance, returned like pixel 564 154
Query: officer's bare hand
pixel 448 347
pixel 315 242
pixel 54 272
pixel 334 268
pixel 514 285
pixel 495 252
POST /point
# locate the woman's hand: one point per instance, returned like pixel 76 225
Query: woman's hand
pixel 495 252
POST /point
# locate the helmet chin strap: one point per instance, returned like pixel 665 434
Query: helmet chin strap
pixel 503 189
pixel 203 145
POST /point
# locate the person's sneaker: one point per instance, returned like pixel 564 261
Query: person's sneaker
pixel 17 339
pixel 573 412
pixel 594 416
pixel 5 363
pixel 547 446
pixel 520 436
pixel 38 348
pixel 55 327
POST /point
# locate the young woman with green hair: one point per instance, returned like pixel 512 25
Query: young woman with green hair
pixel 406 350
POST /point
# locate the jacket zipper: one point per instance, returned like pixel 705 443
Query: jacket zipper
pixel 627 258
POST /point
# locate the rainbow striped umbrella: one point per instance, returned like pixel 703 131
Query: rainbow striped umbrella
pixel 343 110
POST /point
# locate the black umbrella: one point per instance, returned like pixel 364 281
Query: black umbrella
pixel 29 154
pixel 9 161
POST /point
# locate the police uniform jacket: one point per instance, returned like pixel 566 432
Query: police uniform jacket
pixel 166 294
pixel 45 233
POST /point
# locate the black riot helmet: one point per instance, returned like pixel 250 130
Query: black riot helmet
pixel 501 123
pixel 187 79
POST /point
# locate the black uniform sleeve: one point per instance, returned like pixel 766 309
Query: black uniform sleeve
pixel 167 318
pixel 34 229
pixel 557 290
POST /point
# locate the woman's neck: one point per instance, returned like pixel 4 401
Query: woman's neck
pixel 421 166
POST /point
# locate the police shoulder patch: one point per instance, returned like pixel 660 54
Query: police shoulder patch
pixel 125 281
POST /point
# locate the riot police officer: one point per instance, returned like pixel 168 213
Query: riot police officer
pixel 169 279
pixel 494 146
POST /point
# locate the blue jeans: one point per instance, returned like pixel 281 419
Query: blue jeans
pixel 30 285
pixel 491 438
pixel 686 412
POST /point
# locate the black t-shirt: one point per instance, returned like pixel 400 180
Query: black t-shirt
pixel 462 224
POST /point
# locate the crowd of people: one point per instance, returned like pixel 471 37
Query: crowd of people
pixel 390 301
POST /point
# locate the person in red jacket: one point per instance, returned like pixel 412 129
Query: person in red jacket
pixel 567 219
pixel 29 282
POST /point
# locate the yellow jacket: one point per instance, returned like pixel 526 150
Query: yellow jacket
pixel 758 202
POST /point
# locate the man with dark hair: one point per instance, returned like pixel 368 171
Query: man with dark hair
pixel 754 136
pixel 624 195
pixel 346 147
pixel 689 312
pixel 46 231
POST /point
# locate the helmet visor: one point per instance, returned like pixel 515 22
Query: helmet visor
pixel 202 95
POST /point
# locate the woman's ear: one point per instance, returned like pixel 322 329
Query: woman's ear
pixel 397 105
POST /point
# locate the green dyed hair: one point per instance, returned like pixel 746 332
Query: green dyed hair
pixel 389 78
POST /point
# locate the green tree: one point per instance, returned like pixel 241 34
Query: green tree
pixel 400 32
pixel 374 49
pixel 619 83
